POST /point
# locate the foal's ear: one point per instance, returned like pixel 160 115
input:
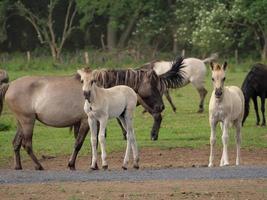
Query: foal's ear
pixel 80 72
pixel 211 66
pixel 224 65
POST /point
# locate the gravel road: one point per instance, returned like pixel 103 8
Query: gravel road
pixel 30 176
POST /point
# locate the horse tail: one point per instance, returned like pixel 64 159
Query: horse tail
pixel 175 76
pixel 212 57
pixel 3 89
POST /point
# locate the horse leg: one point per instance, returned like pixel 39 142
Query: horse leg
pixel 17 145
pixel 102 141
pixel 225 138
pixel 124 132
pixel 263 109
pixel 202 93
pixel 238 142
pixel 27 131
pixel 83 130
pixel 93 128
pixel 128 147
pixel 255 102
pixel 156 126
pixel 212 142
pixel 167 95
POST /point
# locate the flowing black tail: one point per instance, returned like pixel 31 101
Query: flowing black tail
pixel 173 78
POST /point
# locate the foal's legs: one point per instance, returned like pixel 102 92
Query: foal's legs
pixel 83 130
pixel 212 141
pixel 255 102
pixel 167 95
pixel 263 109
pixel 225 138
pixel 238 142
pixel 93 128
pixel 102 141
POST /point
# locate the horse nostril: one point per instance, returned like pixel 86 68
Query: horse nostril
pixel 86 94
pixel 218 92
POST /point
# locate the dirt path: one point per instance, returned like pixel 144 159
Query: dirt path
pixel 163 166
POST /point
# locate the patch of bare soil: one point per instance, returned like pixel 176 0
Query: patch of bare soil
pixel 153 158
pixel 189 189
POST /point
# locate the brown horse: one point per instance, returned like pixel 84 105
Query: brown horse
pixel 54 101
pixel 58 101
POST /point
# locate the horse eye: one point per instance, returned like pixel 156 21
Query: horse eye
pixel 224 79
pixel 212 79
pixel 82 81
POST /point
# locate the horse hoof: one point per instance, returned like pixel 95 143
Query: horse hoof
pixel 210 165
pixel 154 138
pixel 18 168
pixel 95 167
pixel 124 168
pixel 105 167
pixel 39 168
pixel 71 167
pixel 136 166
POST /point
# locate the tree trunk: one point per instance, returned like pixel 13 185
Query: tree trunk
pixel 175 46
pixel 264 50
pixel 126 34
pixel 111 34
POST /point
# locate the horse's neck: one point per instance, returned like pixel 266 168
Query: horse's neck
pixel 95 93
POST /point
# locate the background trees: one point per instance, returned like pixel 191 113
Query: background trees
pixel 143 26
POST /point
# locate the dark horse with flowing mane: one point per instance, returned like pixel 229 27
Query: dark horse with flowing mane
pixel 255 85
pixel 58 101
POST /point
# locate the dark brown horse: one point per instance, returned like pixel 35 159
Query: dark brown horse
pixel 58 101
pixel 255 85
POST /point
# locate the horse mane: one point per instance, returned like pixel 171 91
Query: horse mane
pixel 217 67
pixel 111 77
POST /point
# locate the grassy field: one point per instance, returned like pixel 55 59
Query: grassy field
pixel 186 128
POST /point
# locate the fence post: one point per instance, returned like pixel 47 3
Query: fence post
pixel 86 58
pixel 183 53
pixel 28 56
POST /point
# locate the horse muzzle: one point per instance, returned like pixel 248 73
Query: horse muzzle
pixel 218 93
pixel 87 94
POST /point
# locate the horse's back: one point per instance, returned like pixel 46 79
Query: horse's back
pixel 54 100
pixel 195 71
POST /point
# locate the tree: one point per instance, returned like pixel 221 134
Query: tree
pixel 43 23
pixel 120 15
pixel 3 18
pixel 252 15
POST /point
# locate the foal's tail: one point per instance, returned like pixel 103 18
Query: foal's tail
pixel 3 89
pixel 173 78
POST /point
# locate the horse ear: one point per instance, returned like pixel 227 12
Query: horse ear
pixel 224 65
pixel 211 66
pixel 80 72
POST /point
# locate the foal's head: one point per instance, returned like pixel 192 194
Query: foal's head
pixel 87 80
pixel 218 78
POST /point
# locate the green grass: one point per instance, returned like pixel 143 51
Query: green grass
pixel 186 128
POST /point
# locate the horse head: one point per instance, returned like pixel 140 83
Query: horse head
pixel 218 78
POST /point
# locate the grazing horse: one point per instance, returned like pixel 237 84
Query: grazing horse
pixel 194 71
pixel 53 100
pixel 226 106
pixel 102 104
pixel 254 85
pixel 147 84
